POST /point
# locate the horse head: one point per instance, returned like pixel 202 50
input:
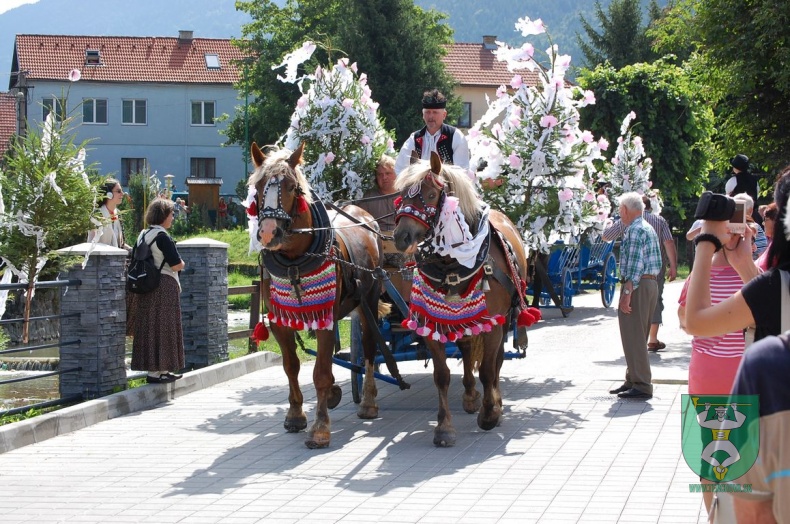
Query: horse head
pixel 423 189
pixel 283 195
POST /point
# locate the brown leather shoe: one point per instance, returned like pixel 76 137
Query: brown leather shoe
pixel 615 391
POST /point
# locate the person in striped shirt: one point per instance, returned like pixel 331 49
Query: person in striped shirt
pixel 640 263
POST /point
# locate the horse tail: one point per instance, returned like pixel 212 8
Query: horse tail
pixel 384 309
pixel 477 351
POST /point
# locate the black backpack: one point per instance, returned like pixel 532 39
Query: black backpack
pixel 143 275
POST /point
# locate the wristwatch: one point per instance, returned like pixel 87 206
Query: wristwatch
pixel 626 291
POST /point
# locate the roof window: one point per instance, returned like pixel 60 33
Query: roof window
pixel 212 62
pixel 92 57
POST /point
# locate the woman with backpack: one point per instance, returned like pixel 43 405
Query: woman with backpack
pixel 158 346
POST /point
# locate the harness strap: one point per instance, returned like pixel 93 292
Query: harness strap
pixel 371 321
pixel 374 230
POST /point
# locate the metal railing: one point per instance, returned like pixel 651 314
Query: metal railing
pixel 59 344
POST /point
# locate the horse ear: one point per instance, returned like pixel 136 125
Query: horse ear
pixel 436 163
pixel 257 155
pixel 296 157
pixel 414 157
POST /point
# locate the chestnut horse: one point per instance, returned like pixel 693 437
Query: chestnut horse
pixel 424 188
pixel 301 239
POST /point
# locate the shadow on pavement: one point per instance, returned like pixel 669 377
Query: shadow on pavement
pixel 393 451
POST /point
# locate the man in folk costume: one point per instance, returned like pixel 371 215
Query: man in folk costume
pixel 447 141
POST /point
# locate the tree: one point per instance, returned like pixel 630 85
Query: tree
pixel 746 44
pixel 397 44
pixel 622 39
pixel 539 162
pixel 46 202
pixel 674 119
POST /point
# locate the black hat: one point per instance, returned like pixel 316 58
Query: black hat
pixel 740 162
pixel 433 100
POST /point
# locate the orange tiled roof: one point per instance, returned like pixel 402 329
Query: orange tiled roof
pixel 127 58
pixel 474 65
pixel 7 120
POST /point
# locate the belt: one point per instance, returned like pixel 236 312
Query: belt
pixel 650 277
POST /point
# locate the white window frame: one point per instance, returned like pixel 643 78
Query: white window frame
pixel 135 102
pixel 50 104
pixel 93 102
pixel 465 120
pixel 202 105
pixel 199 167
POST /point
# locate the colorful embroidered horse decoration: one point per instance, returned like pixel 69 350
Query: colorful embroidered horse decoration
pixel 469 284
pixel 320 268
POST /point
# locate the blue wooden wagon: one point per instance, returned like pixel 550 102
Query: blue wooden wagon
pixel 572 268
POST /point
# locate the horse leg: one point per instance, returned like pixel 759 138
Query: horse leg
pixel 295 419
pixel 319 434
pixel 471 397
pixel 368 408
pixel 444 434
pixel 491 409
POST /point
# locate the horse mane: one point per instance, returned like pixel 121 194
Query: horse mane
pixel 277 164
pixel 457 184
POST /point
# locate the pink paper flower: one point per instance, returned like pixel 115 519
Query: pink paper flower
pixel 587 137
pixel 565 195
pixel 501 91
pixel 75 75
pixel 589 197
pixel 515 160
pixel 365 140
pixel 530 27
pixel 548 121
pixel 329 157
pixel 302 102
pixel 603 144
pixel 347 103
pixel 589 98
pixel 516 82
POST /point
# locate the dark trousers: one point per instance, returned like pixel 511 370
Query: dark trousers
pixel 634 330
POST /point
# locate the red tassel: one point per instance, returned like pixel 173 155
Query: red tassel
pixel 528 316
pixel 301 205
pixel 398 202
pixel 252 209
pixel 260 333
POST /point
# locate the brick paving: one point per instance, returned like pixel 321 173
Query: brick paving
pixel 566 451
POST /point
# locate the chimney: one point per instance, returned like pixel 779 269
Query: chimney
pixel 489 41
pixel 185 37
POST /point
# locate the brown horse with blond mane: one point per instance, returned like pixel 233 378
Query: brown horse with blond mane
pixel 320 267
pixel 468 303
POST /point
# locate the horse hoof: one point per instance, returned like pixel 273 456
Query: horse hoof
pixel 368 412
pixel 472 405
pixel 295 425
pixel 444 439
pixel 335 394
pixel 488 423
pixel 317 441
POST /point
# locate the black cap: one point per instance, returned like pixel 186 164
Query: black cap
pixel 740 162
pixel 433 100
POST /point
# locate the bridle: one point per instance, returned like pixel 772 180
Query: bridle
pixel 278 213
pixel 424 213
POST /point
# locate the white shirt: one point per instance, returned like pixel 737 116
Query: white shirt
pixel 460 150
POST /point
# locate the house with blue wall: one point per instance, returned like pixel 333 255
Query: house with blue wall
pixel 146 104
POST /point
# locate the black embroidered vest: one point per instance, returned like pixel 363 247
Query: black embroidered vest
pixel 444 145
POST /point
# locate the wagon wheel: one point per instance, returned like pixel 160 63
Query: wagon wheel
pixel 566 288
pixel 609 281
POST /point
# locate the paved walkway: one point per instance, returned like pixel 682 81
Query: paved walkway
pixel 566 451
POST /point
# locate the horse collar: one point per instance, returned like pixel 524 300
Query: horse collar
pixel 323 239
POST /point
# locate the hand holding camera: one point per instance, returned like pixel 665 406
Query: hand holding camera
pixel 720 208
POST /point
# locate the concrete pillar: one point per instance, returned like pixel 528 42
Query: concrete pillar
pixel 101 325
pixel 204 301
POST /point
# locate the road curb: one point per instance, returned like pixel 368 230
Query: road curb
pixel 84 414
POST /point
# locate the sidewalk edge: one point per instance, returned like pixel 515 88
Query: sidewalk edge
pixel 84 414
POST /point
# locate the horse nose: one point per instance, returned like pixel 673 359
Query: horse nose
pixel 402 240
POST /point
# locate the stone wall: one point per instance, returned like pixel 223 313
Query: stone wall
pixel 204 301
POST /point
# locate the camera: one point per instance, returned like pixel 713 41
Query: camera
pixel 712 206
pixel 737 223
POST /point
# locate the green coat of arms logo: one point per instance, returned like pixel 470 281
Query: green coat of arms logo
pixel 720 434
